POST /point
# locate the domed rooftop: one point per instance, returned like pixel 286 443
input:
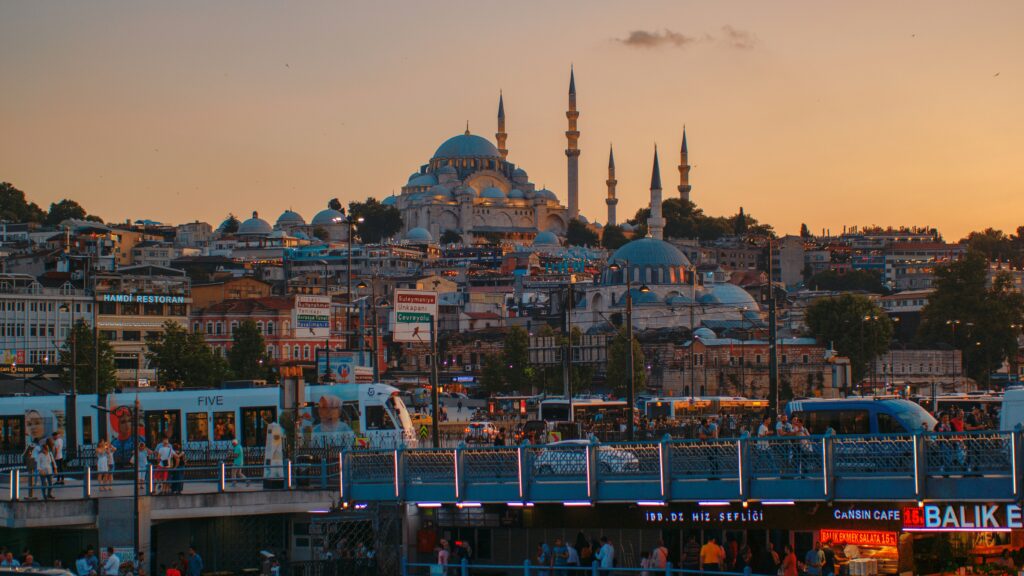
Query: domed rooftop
pixel 516 193
pixel 422 180
pixel 546 238
pixel 732 295
pixel 466 146
pixel 300 235
pixel 704 333
pixel 327 217
pixel 545 193
pixel 440 190
pixel 389 201
pixel 419 236
pixel 493 193
pixel 289 218
pixel 639 297
pixel 678 300
pixel 649 252
pixel 520 174
pixel 254 226
pixel 447 170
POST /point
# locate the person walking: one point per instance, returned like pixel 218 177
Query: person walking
pixel 164 453
pixel 45 465
pixel 659 556
pixel 112 565
pixel 711 556
pixel 606 556
pixel 195 562
pixel 237 463
pixel 102 465
pixel 789 563
pixel 691 554
pixel 178 462
pixel 29 459
pixel 560 557
pixel 443 555
pixel 58 457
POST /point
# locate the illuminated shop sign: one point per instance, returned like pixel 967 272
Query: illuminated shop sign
pixel 859 537
pixel 963 518
pixel 746 516
pixel 889 514
pixel 143 298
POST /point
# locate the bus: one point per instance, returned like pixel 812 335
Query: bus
pixel 861 415
pixel 333 415
pixel 677 407
pixel 585 410
pixel 989 402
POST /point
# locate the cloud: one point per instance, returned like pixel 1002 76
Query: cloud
pixel 655 39
pixel 651 39
pixel 740 39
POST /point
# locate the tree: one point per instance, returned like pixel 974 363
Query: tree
pixel 968 314
pixel 81 341
pixel 612 237
pixel 683 219
pixel 516 359
pixel 618 364
pixel 492 375
pixel 450 237
pixel 379 221
pixel 14 207
pixel 334 204
pixel 854 326
pixel 854 280
pixel 579 235
pixel 184 358
pixel 231 225
pixel 248 355
pixel 805 232
pixel 994 244
pixel 64 210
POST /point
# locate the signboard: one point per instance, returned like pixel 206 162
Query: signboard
pixel 11 356
pixel 312 316
pixel 860 537
pixel 415 311
pixel 963 518
pixel 707 515
pixel 342 367
pixel 142 298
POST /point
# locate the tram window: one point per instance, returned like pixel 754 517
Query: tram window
pixel 223 426
pixel 162 424
pixel 377 418
pixel 12 432
pixel 854 422
pixel 889 425
pixel 254 424
pixel 198 426
pixel 86 429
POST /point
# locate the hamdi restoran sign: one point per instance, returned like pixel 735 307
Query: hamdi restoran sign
pixel 963 518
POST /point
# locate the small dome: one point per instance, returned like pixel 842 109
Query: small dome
pixel 732 295
pixel 289 218
pixel 678 300
pixel 493 193
pixel 422 180
pixel 516 194
pixel 327 217
pixel 708 297
pixel 300 235
pixel 448 169
pixel 389 201
pixel 519 175
pixel 440 190
pixel 278 234
pixel 466 146
pixel 464 190
pixel 547 194
pixel 413 176
pixel 704 334
pixel 419 236
pixel 583 219
pixel 627 227
pixel 254 226
pixel 639 297
pixel 546 238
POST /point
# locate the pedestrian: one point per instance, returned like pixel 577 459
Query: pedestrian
pixel 93 559
pixel 814 560
pixel 58 457
pixel 45 465
pixel 645 563
pixel 112 565
pixel 195 562
pixel 789 563
pixel 142 462
pixel 710 556
pixel 82 567
pixel 169 571
pixel 442 557
pixel 606 556
pixel 543 559
pixel 29 459
pixel 573 560
pixel 691 554
pixel 102 465
pixel 829 567
pixel 182 563
pixel 460 406
pixel 9 561
pixel 659 556
pixel 560 557
pixel 178 462
pixel 164 453
pixel 238 463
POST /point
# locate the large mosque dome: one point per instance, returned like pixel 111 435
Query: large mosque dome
pixel 254 226
pixel 290 218
pixel 649 261
pixel 467 146
pixel 327 217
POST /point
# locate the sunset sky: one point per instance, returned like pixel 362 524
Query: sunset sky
pixel 829 113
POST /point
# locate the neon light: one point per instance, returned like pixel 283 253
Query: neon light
pixel 341 475
pixel 824 467
pixel 469 505
pixel 661 468
pixel 586 455
pixel 395 453
pixel 778 503
pixel 714 503
pixel 860 537
pixel 650 503
pixel 455 462
pixel 956 530
pixel 361 506
pixel 519 469
pixel 739 462
pixel 576 504
pixel 917 482
pixel 428 505
pixel 319 511
pixel 516 504
pixel 1013 461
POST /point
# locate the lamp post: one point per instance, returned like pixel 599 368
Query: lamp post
pixel 351 223
pixel 953 323
pixel 327 340
pixel 373 332
pixel 72 442
pixel 630 382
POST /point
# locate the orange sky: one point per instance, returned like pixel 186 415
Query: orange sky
pixel 829 113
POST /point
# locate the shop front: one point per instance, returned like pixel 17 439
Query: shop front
pixel 986 538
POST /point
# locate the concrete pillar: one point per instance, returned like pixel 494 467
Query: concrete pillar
pixel 115 521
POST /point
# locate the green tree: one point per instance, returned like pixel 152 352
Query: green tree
pixel 805 232
pixel 81 341
pixel 854 325
pixel 231 224
pixel 379 221
pixel 515 356
pixel 450 237
pixel 64 210
pixel 579 235
pixel 183 358
pixel 492 375
pixel 854 280
pixel 14 207
pixel 248 354
pixel 972 316
pixel 334 204
pixel 612 237
pixel 994 244
pixel 618 364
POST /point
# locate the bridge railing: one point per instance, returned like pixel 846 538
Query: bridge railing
pixel 528 568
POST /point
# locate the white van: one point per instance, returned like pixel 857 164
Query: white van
pixel 1012 412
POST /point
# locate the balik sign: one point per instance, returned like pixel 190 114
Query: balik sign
pixel 963 518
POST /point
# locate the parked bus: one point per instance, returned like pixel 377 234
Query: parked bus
pixel 677 407
pixel 584 410
pixel 860 415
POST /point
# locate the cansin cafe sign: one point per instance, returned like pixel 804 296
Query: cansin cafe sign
pixel 143 298
pixel 963 518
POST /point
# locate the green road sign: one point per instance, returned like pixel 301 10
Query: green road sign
pixel 413 317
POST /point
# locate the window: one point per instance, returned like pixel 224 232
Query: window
pixel 889 425
pixel 12 433
pixel 110 335
pixel 305 352
pixel 223 426
pixel 131 336
pixel 209 327
pixel 162 424
pixel 86 429
pixel 129 308
pixel 234 326
pixel 254 424
pixel 219 329
pixel 198 427
pixel 806 359
pixel 377 418
pixel 270 328
pixel 259 326
pixel 295 352
pixel 153 309
pixel 196 326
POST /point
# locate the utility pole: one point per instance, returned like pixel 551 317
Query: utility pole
pixel 567 359
pixel 773 358
pixel 434 382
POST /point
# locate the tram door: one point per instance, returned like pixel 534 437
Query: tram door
pixel 254 424
pixel 162 424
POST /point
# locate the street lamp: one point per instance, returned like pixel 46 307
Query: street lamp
pixel 373 333
pixel 327 340
pixel 72 416
pixel 956 376
pixel 351 223
pixel 630 388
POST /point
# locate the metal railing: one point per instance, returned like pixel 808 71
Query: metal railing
pixel 527 568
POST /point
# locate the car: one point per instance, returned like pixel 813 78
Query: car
pixel 566 458
pixel 420 419
pixel 481 432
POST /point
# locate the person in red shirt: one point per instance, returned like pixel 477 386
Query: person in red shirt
pixel 172 571
pixel 957 420
pixel 789 564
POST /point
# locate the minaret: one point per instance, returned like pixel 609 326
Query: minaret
pixel 656 224
pixel 500 135
pixel 611 201
pixel 572 153
pixel 684 171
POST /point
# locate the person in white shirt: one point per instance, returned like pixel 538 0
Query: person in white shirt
pixel 58 456
pixel 112 566
pixel 164 454
pixel 606 556
pixel 45 466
